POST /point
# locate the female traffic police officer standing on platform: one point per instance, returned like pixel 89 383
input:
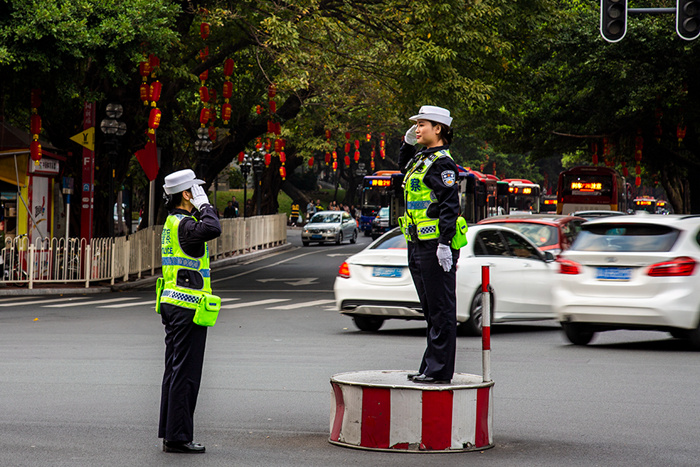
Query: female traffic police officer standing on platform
pixel 429 224
pixel 185 281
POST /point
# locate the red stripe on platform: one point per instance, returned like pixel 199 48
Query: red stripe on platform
pixel 339 412
pixel 376 417
pixel 481 437
pixel 436 432
pixel 486 338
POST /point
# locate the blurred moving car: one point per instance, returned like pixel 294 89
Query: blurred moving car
pixel 597 214
pixel 329 226
pixel 380 224
pixel 631 272
pixel 549 232
pixel 375 284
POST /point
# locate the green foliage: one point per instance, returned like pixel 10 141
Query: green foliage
pixel 235 178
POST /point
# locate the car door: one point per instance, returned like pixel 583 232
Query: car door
pixel 505 270
pixel 348 225
pixel 535 277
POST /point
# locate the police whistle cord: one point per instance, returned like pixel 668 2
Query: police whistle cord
pixel 485 324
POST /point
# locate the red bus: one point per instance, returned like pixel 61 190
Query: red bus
pixel 587 188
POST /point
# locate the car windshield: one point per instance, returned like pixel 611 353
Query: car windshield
pixel 539 234
pixel 383 212
pixel 325 219
pixel 626 237
pixel 393 240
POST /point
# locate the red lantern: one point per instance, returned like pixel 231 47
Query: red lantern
pixel 273 107
pixel 228 89
pixel 144 91
pixel 328 134
pixel 625 170
pixel 270 126
pixel 595 159
pixel 347 147
pixel 154 92
pixel 268 159
pixel 258 143
pixel 311 161
pixel 382 153
pixel 372 164
pixel 36 98
pixel 212 114
pixel 154 119
pixel 35 124
pixel 637 170
pixel 271 91
pixel 335 155
pixel 144 70
pixel 347 135
pixel 335 166
pixel 283 157
pixel 204 94
pixel 228 67
pixel 278 145
pixel 226 113
pixel 204 53
pixel 347 160
pixel 212 133
pixel 204 116
pixel 357 156
pixel 35 151
pixel 327 158
pixel 278 128
pixel 241 156
pixel 382 143
pixel 258 109
pixel 204 30
pixel 369 137
pixel 637 180
pixel 267 144
pixel 153 61
pixel 357 144
pixel 283 172
pixel 680 132
pixel 203 76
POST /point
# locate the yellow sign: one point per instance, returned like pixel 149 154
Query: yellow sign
pixel 86 138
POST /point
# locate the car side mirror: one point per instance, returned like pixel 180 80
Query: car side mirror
pixel 549 257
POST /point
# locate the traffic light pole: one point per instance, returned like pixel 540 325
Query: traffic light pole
pixel 650 11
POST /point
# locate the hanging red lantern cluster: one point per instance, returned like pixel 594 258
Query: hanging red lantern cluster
pixel 153 94
pixel 227 91
pixel 283 157
pixel 335 161
pixel 594 152
pixel 205 115
pixel 638 147
pixel 625 170
pixel 35 126
pixel 371 158
pixel 327 156
pixel 382 143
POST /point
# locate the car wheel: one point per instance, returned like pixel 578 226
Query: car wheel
pixel 339 238
pixel 577 333
pixel 680 333
pixel 368 323
pixel 305 243
pixel 353 239
pixel 473 325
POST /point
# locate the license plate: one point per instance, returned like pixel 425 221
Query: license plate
pixel 317 236
pixel 381 271
pixel 614 274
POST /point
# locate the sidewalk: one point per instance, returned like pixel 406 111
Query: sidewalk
pixel 144 282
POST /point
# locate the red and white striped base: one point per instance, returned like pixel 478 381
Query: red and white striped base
pixel 382 410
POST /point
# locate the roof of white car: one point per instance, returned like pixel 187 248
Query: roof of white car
pixel 644 218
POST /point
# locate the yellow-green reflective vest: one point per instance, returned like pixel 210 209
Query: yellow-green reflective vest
pixel 418 198
pixel 174 260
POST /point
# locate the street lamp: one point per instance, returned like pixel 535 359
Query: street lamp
pixel 113 129
pixel 258 166
pixel 203 146
pixel 245 166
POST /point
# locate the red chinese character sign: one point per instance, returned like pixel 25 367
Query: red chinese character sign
pixel 88 176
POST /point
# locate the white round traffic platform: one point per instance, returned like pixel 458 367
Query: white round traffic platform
pixel 383 410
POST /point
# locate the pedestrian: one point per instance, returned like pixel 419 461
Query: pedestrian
pixel 229 211
pixel 310 210
pixel 236 207
pixel 319 206
pixel 429 225
pixel 192 221
pixel 294 217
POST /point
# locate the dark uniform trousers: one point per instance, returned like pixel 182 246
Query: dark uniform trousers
pixel 436 291
pixel 184 356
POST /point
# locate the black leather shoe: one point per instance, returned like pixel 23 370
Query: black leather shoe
pixel 410 376
pixel 181 446
pixel 429 380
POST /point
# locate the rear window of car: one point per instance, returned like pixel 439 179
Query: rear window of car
pixel 394 240
pixel 626 237
pixel 539 234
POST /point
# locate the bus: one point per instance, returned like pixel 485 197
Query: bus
pixel 645 203
pixel 381 189
pixel 548 203
pixel 663 207
pixel 586 188
pixel 523 195
pixel 481 195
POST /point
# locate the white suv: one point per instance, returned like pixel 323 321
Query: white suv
pixel 631 272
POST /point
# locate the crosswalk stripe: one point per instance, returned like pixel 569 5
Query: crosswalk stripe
pixel 122 305
pixel 38 302
pixel 258 302
pixel 93 302
pixel 294 306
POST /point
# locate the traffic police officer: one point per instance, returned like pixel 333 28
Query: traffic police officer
pixel 429 224
pixel 185 280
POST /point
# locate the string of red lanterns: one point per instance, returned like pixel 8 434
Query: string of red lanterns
pixel 35 126
pixel 154 91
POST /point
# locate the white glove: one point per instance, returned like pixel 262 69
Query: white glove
pixel 444 255
pixel 410 137
pixel 199 197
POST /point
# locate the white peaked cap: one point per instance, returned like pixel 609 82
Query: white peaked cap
pixel 434 114
pixel 180 181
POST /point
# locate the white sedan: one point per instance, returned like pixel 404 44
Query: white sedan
pixel 631 272
pixel 375 284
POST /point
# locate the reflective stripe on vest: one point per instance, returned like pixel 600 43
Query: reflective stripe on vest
pixel 419 197
pixel 175 259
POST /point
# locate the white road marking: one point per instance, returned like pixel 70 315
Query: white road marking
pixel 293 306
pixel 122 305
pixel 93 302
pixel 38 302
pixel 255 303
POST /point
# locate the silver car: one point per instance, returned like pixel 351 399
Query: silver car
pixel 329 226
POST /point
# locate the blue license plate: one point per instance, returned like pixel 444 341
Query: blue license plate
pixel 614 274
pixel 381 271
pixel 317 237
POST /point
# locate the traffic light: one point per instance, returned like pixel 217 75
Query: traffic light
pixel 613 19
pixel 688 19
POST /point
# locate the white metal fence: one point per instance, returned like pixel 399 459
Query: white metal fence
pixel 57 260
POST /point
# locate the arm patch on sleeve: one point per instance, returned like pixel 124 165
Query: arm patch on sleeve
pixel 448 178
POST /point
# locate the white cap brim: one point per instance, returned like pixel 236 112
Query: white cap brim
pixel 183 186
pixel 444 119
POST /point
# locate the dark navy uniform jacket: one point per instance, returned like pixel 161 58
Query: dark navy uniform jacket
pixel 192 234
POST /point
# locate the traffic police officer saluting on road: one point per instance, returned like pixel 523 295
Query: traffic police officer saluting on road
pixel 429 225
pixel 185 304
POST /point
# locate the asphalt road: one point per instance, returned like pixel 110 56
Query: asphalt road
pixel 80 380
